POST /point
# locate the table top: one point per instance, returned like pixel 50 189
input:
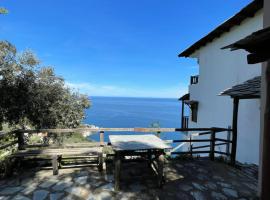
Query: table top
pixel 137 142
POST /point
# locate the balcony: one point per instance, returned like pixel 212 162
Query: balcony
pixel 194 80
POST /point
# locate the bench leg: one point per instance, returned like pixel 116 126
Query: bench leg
pixel 55 165
pixel 117 172
pixel 161 160
pixel 59 162
pixel 100 162
pixel 9 166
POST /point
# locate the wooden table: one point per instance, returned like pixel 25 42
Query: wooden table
pixel 138 145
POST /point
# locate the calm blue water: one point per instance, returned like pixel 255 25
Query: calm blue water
pixel 120 112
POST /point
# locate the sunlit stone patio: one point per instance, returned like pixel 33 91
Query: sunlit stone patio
pixel 188 179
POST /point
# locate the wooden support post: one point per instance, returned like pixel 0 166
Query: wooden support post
pixel 55 164
pixel 21 142
pixel 265 134
pixel 234 132
pixel 117 171
pixel 100 162
pixel 212 145
pixel 182 115
pixel 101 138
pixel 161 160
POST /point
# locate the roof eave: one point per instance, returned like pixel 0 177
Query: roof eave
pixel 249 11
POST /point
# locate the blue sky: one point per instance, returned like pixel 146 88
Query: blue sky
pixel 115 47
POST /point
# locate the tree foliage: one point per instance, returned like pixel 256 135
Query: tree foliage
pixel 3 10
pixel 30 94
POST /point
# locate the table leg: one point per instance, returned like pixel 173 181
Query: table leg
pixel 117 172
pixel 161 160
pixel 149 157
pixel 55 164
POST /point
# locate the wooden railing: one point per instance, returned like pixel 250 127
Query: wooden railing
pixel 207 145
pixel 194 80
pixel 8 144
pixel 211 143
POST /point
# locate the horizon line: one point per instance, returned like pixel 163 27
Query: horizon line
pixel 138 97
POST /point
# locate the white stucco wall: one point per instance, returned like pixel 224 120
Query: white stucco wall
pixel 221 69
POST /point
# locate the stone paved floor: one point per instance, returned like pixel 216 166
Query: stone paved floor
pixel 198 179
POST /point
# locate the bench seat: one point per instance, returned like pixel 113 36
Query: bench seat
pixel 55 154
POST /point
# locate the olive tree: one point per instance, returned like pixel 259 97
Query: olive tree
pixel 30 94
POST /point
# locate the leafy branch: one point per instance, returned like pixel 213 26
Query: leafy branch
pixel 3 10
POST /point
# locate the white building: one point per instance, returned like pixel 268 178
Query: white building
pixel 221 69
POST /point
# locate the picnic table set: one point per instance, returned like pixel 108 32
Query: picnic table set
pixel 149 146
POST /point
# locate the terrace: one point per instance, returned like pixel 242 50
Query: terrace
pixel 203 170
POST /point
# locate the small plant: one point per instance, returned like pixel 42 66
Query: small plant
pixel 155 125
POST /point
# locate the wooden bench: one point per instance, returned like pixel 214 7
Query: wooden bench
pixel 56 154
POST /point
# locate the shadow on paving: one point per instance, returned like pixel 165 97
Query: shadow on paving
pixel 190 179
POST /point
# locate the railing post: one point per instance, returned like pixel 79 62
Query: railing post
pixel 101 138
pixel 191 150
pixel 190 145
pixel 229 139
pixel 234 128
pixel 212 144
pixel 21 143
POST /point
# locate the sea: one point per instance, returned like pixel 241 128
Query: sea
pixel 127 112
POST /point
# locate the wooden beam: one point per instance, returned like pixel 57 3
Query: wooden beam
pixel 212 145
pixel 223 140
pixel 254 58
pixel 146 130
pixel 182 115
pixel 234 128
pixel 265 173
pixel 188 152
pixel 8 145
pixel 195 140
